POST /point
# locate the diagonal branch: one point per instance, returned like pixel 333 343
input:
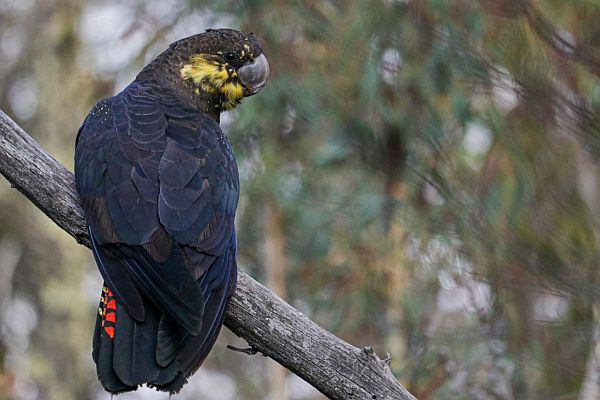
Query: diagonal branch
pixel 270 325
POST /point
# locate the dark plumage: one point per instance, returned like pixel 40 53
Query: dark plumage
pixel 159 186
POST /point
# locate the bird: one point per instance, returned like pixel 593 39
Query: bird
pixel 159 185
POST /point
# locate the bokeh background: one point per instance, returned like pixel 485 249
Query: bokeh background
pixel 420 176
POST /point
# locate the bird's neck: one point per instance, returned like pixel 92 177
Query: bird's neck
pixel 165 70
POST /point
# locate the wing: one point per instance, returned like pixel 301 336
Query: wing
pixel 159 186
pixel 199 184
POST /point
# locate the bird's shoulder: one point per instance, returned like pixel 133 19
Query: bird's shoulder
pixel 144 115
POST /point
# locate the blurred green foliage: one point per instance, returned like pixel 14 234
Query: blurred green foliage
pixel 432 166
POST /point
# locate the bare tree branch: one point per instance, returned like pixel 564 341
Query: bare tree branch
pixel 270 325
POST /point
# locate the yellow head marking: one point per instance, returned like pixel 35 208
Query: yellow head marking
pixel 233 92
pixel 206 73
pixel 209 75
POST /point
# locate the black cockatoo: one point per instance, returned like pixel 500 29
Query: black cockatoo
pixel 159 185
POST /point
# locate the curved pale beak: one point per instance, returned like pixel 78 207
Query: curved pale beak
pixel 254 75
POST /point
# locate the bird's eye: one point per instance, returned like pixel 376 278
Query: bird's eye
pixel 230 56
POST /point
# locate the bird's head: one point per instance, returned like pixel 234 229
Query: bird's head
pixel 216 68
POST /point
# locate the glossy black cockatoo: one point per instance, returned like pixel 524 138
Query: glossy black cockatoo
pixel 159 185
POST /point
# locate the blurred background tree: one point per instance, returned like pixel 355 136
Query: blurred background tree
pixel 419 175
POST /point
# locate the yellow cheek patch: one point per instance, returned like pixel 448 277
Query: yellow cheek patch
pixel 207 74
pixel 233 92
pixel 211 76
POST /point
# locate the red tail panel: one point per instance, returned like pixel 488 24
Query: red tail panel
pixel 108 306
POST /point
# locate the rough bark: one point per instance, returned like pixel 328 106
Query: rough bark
pixel 270 325
pixel 42 179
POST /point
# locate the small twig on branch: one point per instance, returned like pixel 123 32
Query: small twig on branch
pixel 269 325
pixel 249 350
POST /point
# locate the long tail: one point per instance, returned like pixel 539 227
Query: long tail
pixel 157 352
